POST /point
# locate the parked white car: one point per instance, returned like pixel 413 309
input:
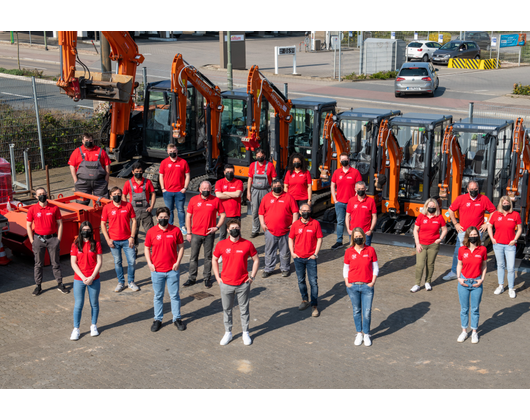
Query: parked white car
pixel 421 50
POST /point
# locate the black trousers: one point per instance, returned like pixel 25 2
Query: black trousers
pixel 196 242
pixel 145 219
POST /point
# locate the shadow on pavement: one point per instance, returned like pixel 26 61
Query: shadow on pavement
pixel 504 317
pixel 400 319
pixel 397 264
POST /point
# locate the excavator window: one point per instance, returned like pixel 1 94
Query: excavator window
pixel 360 134
pixel 233 127
pixel 301 132
pixel 413 142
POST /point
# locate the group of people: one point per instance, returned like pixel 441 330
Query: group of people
pixel 282 210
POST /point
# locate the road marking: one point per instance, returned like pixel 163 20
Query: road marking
pixel 482 90
pixel 14 94
pixel 83 106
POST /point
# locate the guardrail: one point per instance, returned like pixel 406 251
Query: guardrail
pixel 466 63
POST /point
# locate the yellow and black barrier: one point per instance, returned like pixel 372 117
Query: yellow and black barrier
pixel 490 64
pixel 465 63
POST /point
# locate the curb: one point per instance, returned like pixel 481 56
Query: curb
pixel 513 95
pixel 27 79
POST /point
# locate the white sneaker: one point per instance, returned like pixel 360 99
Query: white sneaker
pixel 428 286
pixel 75 334
pixel 133 286
pixel 474 338
pixel 367 341
pixel 226 338
pixel 119 287
pixel 94 330
pixel 511 293
pixel 247 341
pixel 415 288
pixel 358 339
pixel 499 289
pixel 184 231
pixel 450 276
pixel 462 337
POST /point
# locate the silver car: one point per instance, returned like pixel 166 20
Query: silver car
pixel 416 78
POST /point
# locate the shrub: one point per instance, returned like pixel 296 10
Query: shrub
pixel 24 72
pixel 354 76
pixel 433 36
pixel 519 89
pixel 384 75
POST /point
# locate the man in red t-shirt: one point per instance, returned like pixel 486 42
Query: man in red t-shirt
pixel 46 236
pixel 361 212
pixel 164 249
pixel 305 240
pixel 201 223
pixel 120 236
pixel 229 190
pixel 90 169
pixel 174 180
pixel 234 279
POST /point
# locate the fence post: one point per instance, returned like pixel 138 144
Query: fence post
pixel 29 37
pixel 361 53
pixel 340 53
pixel 38 120
pixel 144 76
pixel 45 41
pixel 285 90
pixel 498 51
pixel 275 60
pixel 471 112
pixel 13 168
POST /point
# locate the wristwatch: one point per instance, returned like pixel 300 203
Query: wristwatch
pixel 251 278
pixel 315 255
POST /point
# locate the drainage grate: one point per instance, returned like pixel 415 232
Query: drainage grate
pixel 201 295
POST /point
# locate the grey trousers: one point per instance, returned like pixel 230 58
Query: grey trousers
pixel 54 250
pixel 196 242
pixel 145 219
pixel 255 199
pixel 223 230
pixel 272 244
pixel 228 294
pixel 97 187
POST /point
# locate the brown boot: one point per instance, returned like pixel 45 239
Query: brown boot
pixel 315 312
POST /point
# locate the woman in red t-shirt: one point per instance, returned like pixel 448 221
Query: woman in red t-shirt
pixel 86 259
pixel 427 237
pixel 360 272
pixel 470 271
pixel 297 181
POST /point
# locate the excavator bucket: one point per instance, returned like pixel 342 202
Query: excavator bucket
pixel 104 86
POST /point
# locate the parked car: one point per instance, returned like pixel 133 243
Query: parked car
pixel 416 78
pixel 482 39
pixel 456 49
pixel 421 50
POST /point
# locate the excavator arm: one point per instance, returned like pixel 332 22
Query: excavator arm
pixel 520 159
pixel 388 145
pixel 333 136
pixel 451 149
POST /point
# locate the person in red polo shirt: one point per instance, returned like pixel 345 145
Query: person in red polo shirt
pixel 471 208
pixel 90 169
pixel 361 212
pixel 201 222
pixel 119 214
pixel 234 279
pixel 164 249
pixel 48 223
pixel 297 181
pixel 471 271
pixel 305 240
pixel 229 190
pixel 342 190
pixel 277 212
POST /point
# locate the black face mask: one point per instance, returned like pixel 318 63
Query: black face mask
pixel 261 159
pixel 344 162
pixel 506 208
pixel 229 176
pixel 234 233
pixel 297 165
pixel 473 193
pixel 205 193
pixel 86 234
pixel 474 239
pixel 138 175
pixel 431 209
pixel 163 222
pixel 358 241
pixel 117 198
pixel 305 215
pixel 361 193
pixel 173 155
pixel 277 190
pixel 42 198
pixel 89 144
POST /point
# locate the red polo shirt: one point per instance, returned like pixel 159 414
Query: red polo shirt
pixel 361 212
pixel 471 212
pixel 235 260
pixel 232 206
pixel 345 182
pixel 174 173
pixel 297 183
pixel 163 246
pixel 146 183
pixel 429 228
pixel 360 264
pixel 472 261
pixel 305 237
pixel 257 168
pixel 45 218
pixel 505 226
pixel 278 212
pixel 119 219
pixel 86 259
pixel 90 156
pixel 204 213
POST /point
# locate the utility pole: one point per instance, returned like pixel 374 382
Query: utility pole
pixel 18 52
pixel 229 64
pixel 106 66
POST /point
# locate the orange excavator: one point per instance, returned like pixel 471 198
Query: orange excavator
pixel 452 168
pixel 337 144
pixel 116 88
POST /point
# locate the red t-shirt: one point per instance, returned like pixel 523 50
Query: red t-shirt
pixel 119 219
pixel 505 226
pixel 90 156
pixel 45 218
pixel 278 212
pixel 163 245
pixel 232 206
pixel 471 212
pixel 86 259
pixel 297 183
pixel 472 261
pixel 271 171
pixel 361 212
pixel 174 173
pixel 305 237
pixel 429 228
pixel 146 184
pixel 345 182
pixel 361 268
pixel 235 260
pixel 204 213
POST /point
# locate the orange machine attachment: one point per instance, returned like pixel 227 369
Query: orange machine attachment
pixel 388 145
pixel 181 74
pixel 454 166
pixel 334 136
pixel 116 88
pixel 520 159
pixel 258 85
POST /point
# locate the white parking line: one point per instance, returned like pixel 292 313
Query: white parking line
pixel 14 94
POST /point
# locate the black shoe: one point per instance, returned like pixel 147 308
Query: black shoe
pixel 208 283
pixel 286 273
pixel 304 305
pixel 265 274
pixel 180 325
pixel 156 326
pixel 189 283
pixel 254 234
pixel 37 291
pixel 337 245
pixel 63 289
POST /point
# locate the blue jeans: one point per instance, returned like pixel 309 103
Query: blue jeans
pixel 300 265
pixel 79 296
pixel 340 211
pixel 172 278
pixel 368 241
pixel 172 200
pixel 466 294
pixel 361 296
pixel 507 251
pixel 129 254
pixel 458 244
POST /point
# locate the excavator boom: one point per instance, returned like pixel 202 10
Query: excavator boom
pixel 388 145
pixel 520 158
pixel 453 163
pixel 334 137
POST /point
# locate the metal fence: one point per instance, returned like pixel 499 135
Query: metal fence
pixel 500 112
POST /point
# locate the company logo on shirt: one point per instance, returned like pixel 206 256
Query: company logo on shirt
pixel 169 236
pixel 293 175
pixel 500 218
pixel 353 257
pixel 39 214
pixel 113 212
pixel 228 250
pixel 468 204
pixel 239 251
pixel 340 177
pixel 158 237
pixel 365 256
pixel 466 255
pixel 272 201
pixel 199 204
pixel 478 256
pixel 225 187
pixel 425 221
pixel 169 165
pixel 300 230
pixel 355 206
